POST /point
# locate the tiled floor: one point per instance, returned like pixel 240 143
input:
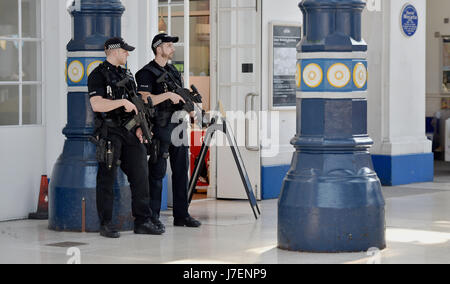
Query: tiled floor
pixel 418 220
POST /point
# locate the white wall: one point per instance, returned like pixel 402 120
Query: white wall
pixel 22 163
pixel 280 11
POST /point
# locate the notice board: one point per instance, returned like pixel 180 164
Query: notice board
pixel 284 38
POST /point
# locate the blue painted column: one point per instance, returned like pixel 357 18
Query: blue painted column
pixel 75 173
pixel 331 199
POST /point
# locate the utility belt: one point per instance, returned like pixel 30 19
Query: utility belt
pixel 104 146
pixel 112 123
pixel 159 148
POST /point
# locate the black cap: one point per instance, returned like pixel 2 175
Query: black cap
pixel 161 38
pixel 117 42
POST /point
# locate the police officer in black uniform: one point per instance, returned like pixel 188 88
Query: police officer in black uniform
pixel 152 82
pixel 115 144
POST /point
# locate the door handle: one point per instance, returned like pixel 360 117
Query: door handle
pixel 247 144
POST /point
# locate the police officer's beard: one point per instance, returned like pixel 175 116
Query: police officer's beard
pixel 169 56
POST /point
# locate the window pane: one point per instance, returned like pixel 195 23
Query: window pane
pixel 9 105
pixel 9 60
pixel 31 18
pixel 9 18
pixel 178 58
pixel 31 105
pixel 31 55
pixel 162 23
pixel 178 22
pixel 199 45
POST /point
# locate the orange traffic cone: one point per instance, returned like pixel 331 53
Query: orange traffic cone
pixel 42 211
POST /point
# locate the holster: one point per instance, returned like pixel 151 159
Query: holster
pixel 101 151
pixel 104 147
pixel 104 151
pixel 153 151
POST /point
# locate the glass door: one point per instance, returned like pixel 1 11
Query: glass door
pixel 238 75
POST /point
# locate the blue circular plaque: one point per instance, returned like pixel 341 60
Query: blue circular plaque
pixel 410 20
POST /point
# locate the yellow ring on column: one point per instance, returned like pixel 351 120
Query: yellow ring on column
pixel 91 65
pixel 334 70
pixel 298 76
pixel 316 70
pixel 72 65
pixel 360 70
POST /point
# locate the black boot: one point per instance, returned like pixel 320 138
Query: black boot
pixel 158 224
pixel 147 229
pixel 187 222
pixel 109 231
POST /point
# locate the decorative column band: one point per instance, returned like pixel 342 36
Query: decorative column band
pixel 331 75
pixel 79 67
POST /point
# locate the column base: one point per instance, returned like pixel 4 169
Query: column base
pixel 74 179
pixel 331 203
pixel 331 215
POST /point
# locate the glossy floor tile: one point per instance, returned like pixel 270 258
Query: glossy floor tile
pixel 418 231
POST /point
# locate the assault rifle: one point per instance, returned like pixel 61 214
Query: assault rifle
pixel 191 99
pixel 145 111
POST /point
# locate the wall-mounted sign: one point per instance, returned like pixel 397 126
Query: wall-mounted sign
pixel 284 37
pixel 409 20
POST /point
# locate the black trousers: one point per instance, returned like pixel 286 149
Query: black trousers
pixel 133 157
pixel 179 161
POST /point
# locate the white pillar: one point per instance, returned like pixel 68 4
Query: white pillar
pixel 152 23
pixel 397 92
pixel 57 33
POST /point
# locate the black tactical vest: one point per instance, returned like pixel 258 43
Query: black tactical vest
pixel 115 93
pixel 169 81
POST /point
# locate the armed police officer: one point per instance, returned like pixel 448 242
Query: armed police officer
pixel 157 80
pixel 116 145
